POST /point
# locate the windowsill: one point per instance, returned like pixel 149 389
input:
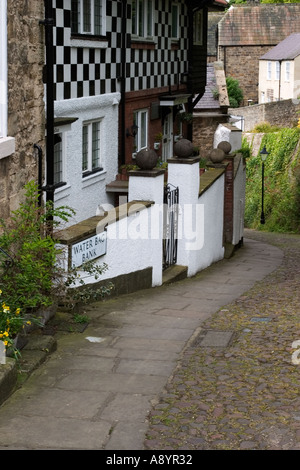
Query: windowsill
pixel 7 146
pixel 89 41
pixel 92 177
pixel 138 42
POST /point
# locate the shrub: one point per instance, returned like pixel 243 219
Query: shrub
pixel 235 93
pixel 35 279
pixel 281 184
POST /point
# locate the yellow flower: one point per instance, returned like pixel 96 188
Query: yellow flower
pixel 5 343
pixel 18 311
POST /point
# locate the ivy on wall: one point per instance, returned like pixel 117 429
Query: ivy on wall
pixel 281 183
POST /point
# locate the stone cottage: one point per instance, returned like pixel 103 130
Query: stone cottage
pixel 246 32
pixel 22 124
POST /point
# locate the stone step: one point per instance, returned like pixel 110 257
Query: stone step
pixel 174 273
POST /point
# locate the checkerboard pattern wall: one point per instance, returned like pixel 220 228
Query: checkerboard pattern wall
pixel 88 66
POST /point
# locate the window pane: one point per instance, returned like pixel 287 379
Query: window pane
pixel 134 17
pixel 75 16
pixel 87 16
pixel 143 141
pixel 85 148
pixel 95 145
pixel 98 16
pixel 174 21
pixel 141 18
pixel 58 160
pixel 149 15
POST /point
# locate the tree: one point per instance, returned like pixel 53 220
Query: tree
pixel 235 93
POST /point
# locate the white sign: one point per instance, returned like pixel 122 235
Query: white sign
pixel 89 249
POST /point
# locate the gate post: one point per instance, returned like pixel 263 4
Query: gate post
pixel 148 185
pixel 184 173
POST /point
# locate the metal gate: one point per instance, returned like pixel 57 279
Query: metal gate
pixel 170 235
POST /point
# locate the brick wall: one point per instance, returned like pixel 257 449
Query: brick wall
pixel 25 99
pixel 204 128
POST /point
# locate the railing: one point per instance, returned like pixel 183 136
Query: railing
pixel 171 200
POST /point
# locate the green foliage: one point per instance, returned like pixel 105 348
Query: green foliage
pixel 265 127
pixel 234 2
pixel 35 279
pixel 27 283
pixel 281 183
pixel 235 94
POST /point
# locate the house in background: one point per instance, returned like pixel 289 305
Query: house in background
pixel 211 110
pixel 123 73
pixel 248 31
pixel 22 121
pixel 279 71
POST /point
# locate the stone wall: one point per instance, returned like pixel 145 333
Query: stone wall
pixel 242 64
pixel 204 128
pixel 26 122
pixel 277 113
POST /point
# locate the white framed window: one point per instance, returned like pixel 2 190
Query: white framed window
pixel 175 21
pixel 7 144
pixel 140 119
pixel 91 147
pixel 59 157
pixel 3 70
pixel 88 17
pixel 287 71
pixel 198 28
pixel 142 18
pixel 269 70
pixel 277 73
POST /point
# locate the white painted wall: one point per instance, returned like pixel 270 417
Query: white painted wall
pixel 201 219
pixel 283 89
pixel 134 243
pixel 211 226
pixel 84 195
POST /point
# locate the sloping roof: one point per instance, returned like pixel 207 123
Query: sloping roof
pixel 208 101
pixel 288 49
pixel 215 82
pixel 261 25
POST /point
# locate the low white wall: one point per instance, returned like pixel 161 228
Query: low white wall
pixel 135 230
pixel 133 244
pixel 211 208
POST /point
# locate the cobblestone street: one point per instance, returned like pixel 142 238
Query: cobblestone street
pixel 245 393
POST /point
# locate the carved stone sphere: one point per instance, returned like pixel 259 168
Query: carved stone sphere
pixel 217 155
pixel 183 148
pixel 225 146
pixel 146 159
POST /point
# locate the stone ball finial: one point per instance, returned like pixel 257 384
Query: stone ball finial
pixel 225 146
pixel 183 148
pixel 217 155
pixel 146 159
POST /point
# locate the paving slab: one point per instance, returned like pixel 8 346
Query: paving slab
pixel 96 391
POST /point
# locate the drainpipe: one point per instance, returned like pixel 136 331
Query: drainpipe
pixel 279 83
pixel 40 172
pixel 190 70
pixel 49 23
pixel 123 82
